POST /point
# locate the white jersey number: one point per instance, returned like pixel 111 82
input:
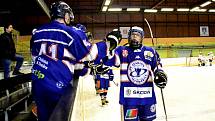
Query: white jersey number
pixel 52 50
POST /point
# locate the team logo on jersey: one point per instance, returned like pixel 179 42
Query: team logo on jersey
pixel 38 74
pixel 131 114
pixel 152 108
pixel 59 84
pixel 124 53
pixel 148 55
pixel 137 57
pixel 128 92
pixel 138 72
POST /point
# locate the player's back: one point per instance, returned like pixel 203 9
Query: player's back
pixel 51 39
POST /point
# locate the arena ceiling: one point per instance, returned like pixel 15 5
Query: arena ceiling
pixel 31 7
pixel 28 14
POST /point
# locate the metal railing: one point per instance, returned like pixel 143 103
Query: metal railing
pixel 16 90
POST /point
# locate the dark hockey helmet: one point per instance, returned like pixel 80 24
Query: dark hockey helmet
pixel 59 9
pixel 81 27
pixel 133 42
pixel 114 37
pixel 89 35
pixel 115 33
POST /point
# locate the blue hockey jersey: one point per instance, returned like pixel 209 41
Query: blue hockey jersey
pixel 104 80
pixel 64 43
pixel 136 74
pixel 60 41
pixel 51 74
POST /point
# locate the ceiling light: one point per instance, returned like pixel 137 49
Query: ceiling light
pixel 211 10
pixel 183 9
pixel 107 2
pixel 213 0
pixel 133 9
pixel 115 9
pixel 104 8
pixel 151 10
pixel 200 10
pixel 167 9
pixel 205 4
pixel 194 9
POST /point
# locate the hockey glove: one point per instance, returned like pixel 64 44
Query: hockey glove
pixel 102 70
pixel 114 38
pixel 160 79
pixel 88 64
pixel 111 77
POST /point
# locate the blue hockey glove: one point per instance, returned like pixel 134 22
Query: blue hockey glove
pixel 160 79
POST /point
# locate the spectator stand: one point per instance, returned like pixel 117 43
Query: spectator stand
pixel 14 90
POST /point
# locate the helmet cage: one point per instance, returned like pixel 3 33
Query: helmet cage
pixel 135 44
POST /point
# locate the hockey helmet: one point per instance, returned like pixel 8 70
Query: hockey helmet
pixel 59 9
pixel 115 38
pixel 81 27
pixel 210 53
pixel 116 33
pixel 133 42
pixel 89 35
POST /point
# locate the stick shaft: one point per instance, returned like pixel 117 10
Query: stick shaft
pixel 150 30
pixel 164 106
pixel 115 83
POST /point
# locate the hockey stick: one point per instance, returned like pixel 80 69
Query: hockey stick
pixel 115 83
pixel 44 7
pixel 157 67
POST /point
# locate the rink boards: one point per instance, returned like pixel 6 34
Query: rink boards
pixel 188 96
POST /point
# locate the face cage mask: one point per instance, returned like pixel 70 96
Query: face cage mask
pixel 134 44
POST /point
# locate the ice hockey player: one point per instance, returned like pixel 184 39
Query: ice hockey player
pixel 80 69
pixel 90 37
pixel 103 76
pixel 201 60
pixel 55 48
pixel 99 59
pixel 81 27
pixel 210 58
pixel 139 67
pixel 88 34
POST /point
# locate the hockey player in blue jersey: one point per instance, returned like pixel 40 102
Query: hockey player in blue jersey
pixel 80 70
pixel 99 57
pixel 139 67
pixel 104 76
pixel 55 49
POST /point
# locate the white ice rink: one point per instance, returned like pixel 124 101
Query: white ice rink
pixel 189 96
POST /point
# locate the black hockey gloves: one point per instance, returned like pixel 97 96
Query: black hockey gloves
pixel 114 38
pixel 102 70
pixel 111 77
pixel 160 79
pixel 88 64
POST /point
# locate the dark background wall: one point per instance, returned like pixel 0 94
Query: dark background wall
pixel 163 24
